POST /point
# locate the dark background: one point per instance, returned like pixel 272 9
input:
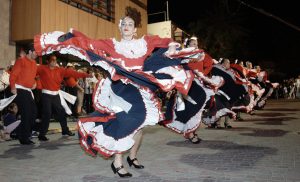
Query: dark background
pixel 228 28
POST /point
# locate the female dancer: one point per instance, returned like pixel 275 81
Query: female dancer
pixel 126 100
pixel 187 120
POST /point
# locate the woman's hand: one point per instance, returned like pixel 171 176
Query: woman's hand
pixel 172 49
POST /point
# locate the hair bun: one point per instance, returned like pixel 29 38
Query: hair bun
pixel 135 15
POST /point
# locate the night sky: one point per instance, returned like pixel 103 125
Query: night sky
pixel 268 41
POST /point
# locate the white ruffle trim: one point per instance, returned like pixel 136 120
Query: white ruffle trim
pixel 52 39
pixel 135 48
pixel 219 114
pixel 107 144
pixel 178 75
pixel 107 100
pixel 195 121
pixel 102 142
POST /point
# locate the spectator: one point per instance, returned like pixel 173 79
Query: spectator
pixel 89 85
pixel 11 121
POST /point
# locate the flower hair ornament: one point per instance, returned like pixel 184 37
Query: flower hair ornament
pixel 120 22
pixel 185 42
pixel 220 60
pixel 193 38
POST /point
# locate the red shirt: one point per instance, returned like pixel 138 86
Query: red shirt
pixel 70 82
pixel 52 78
pixel 23 73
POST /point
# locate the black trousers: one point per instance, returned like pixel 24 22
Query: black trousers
pixel 51 105
pixel 28 111
pixel 88 103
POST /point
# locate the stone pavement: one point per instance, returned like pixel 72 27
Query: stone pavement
pixel 264 147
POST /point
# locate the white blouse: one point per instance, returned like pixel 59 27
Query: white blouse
pixel 135 48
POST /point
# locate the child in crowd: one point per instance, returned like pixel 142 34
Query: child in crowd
pixel 11 122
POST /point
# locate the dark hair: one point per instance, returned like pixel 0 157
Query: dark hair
pixel 223 60
pixel 89 70
pixel 189 40
pixel 239 62
pixel 134 14
pixel 28 47
pixel 49 56
pixel 11 106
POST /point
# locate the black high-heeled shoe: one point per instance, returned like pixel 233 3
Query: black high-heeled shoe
pixel 130 162
pixel 116 170
pixel 227 125
pixel 195 139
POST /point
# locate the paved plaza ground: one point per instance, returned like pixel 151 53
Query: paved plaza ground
pixel 265 147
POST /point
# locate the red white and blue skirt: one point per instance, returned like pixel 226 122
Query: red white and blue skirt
pixel 126 101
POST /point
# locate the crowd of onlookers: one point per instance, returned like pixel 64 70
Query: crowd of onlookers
pixel 82 88
pixel 288 89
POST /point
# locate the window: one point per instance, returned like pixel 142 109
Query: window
pixel 101 8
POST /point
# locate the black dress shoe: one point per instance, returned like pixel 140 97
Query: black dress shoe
pixel 227 125
pixel 116 170
pixel 215 125
pixel 26 142
pixel 43 138
pixel 68 133
pixel 239 119
pixel 195 139
pixel 13 136
pixel 130 162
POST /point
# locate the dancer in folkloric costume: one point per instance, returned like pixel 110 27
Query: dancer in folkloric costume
pixel 125 101
pixel 262 77
pixel 204 62
pixel 232 89
pixel 244 103
pixel 186 110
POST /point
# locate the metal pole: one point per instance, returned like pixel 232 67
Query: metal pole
pixel 164 12
pixel 167 11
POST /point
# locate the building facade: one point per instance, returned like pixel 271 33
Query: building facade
pixel 7 47
pixel 22 19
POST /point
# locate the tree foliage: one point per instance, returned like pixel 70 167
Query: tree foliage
pixel 220 30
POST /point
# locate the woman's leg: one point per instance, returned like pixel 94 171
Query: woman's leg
pixel 118 162
pixel 137 142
